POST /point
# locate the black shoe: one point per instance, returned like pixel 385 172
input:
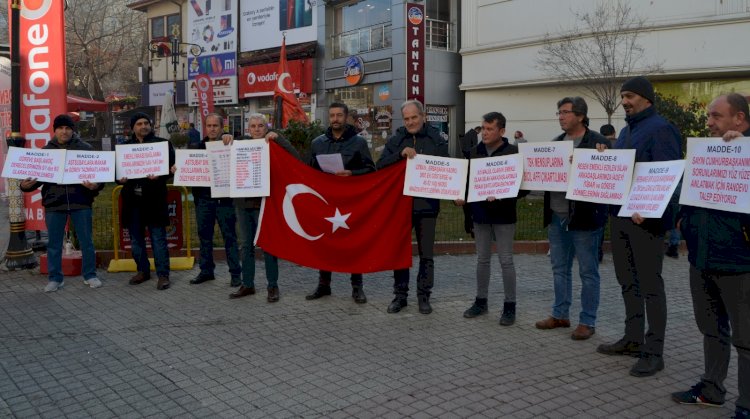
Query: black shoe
pixel 694 396
pixel 509 314
pixel 320 291
pixel 424 304
pixel 359 295
pixel 201 278
pixel 477 309
pixel 647 365
pixel 621 347
pixel 235 282
pixel 672 252
pixel 396 305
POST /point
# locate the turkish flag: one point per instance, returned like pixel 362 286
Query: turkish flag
pixel 290 107
pixel 347 224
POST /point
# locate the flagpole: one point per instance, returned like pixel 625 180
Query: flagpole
pixel 19 254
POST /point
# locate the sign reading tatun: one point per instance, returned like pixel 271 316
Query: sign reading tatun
pixel 415 29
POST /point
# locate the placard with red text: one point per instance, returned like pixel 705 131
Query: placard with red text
pixel 602 177
pixel 436 177
pixel 652 188
pixel 135 161
pixel 546 165
pixel 89 165
pixel 717 174
pixel 219 157
pixel 192 168
pixel 497 177
pixel 251 170
pixel 44 165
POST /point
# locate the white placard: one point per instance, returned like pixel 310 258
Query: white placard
pixel 436 177
pixel 330 163
pixel 135 161
pixel 498 177
pixel 601 177
pixel 42 164
pixel 652 188
pixel 219 156
pixel 192 168
pixel 717 174
pixel 546 165
pixel 89 165
pixel 251 169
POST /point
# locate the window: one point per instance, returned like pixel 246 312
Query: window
pixel 161 27
pixel 438 10
pixel 362 14
pixel 361 27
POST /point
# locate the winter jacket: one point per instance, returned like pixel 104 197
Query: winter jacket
pixel 250 203
pixel 581 215
pixel 353 148
pixel 66 197
pixel 151 204
pixel 499 211
pixel 717 241
pixel 427 141
pixel 654 139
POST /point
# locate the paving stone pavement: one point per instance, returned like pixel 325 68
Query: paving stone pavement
pixel 133 351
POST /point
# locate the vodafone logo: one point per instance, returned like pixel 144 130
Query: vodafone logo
pixel 251 78
pixel 203 84
pixel 35 9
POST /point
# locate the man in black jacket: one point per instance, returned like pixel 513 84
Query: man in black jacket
pixel 61 201
pixel 493 217
pixel 575 229
pixel 416 137
pixel 341 138
pixel 144 205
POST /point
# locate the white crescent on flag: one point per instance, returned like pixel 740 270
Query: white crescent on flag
pixel 280 82
pixel 290 214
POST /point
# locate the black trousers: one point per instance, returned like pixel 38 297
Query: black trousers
pixel 424 227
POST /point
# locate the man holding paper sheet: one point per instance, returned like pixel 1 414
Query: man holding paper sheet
pixel 342 152
pixel 210 210
pixel 637 243
pixel 416 137
pixel 719 253
pixel 144 205
pixel 63 201
pixel 574 229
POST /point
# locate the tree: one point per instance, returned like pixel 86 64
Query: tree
pixel 599 52
pixel 690 119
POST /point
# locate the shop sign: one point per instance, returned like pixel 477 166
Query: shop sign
pixel 415 29
pixel 436 113
pixel 384 92
pixel 260 80
pixel 354 70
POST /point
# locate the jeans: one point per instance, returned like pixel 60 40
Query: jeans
pixel 504 239
pixel 207 212
pixel 248 225
pixel 674 237
pixel 721 304
pixel 638 256
pixel 424 227
pixel 56 221
pixel 158 235
pixel 584 245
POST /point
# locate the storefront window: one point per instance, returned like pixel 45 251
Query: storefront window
pixel 369 112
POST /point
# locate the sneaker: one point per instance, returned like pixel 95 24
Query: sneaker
pixel 694 396
pixel 53 286
pixel 93 282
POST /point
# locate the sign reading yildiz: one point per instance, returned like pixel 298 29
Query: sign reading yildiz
pixel 415 28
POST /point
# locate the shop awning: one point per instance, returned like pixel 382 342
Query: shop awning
pixel 77 104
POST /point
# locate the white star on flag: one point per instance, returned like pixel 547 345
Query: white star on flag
pixel 338 220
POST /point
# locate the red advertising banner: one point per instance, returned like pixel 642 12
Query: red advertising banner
pixel 415 28
pixel 261 79
pixel 205 98
pixel 174 229
pixel 43 82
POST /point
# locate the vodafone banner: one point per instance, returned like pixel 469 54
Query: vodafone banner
pixel 205 98
pixel 260 80
pixel 43 82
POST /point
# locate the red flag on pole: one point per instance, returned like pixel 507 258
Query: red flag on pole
pixel 290 107
pixel 340 224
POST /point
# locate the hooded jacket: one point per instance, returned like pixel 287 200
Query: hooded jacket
pixel 66 197
pixel 353 148
pixel 426 141
pixel 581 215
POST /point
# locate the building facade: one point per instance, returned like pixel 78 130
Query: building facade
pixel 699 44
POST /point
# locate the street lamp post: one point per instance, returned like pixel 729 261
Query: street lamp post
pixel 176 52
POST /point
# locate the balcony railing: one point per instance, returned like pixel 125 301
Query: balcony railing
pixel 361 40
pixel 440 35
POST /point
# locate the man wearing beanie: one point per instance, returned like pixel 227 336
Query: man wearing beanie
pixel 63 201
pixel 637 242
pixel 144 205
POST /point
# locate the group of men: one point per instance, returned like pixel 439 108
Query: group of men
pixel 718 242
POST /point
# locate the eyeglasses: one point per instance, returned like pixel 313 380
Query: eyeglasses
pixel 563 112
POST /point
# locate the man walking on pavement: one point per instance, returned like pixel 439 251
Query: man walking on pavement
pixel 637 243
pixel 718 245
pixel 416 137
pixel 341 138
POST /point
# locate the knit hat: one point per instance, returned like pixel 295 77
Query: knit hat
pixel 139 115
pixel 64 120
pixel 640 86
